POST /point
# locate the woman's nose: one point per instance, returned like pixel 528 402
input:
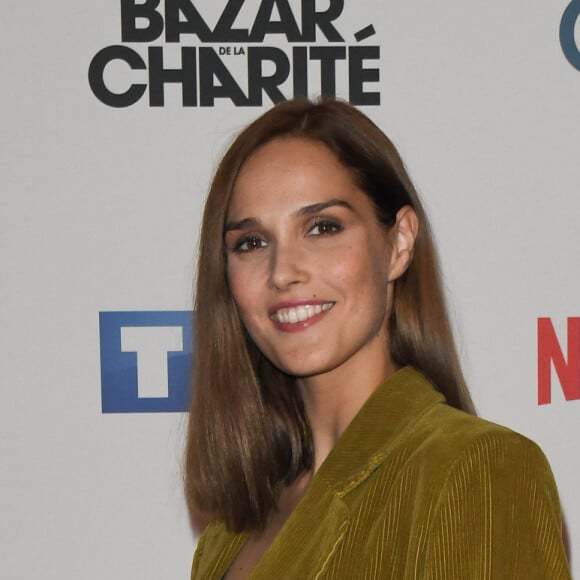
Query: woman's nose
pixel 288 266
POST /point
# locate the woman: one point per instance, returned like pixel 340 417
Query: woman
pixel 331 434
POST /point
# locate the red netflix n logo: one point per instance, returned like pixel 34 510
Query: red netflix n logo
pixel 550 353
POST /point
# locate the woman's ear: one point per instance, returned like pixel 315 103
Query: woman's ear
pixel 404 234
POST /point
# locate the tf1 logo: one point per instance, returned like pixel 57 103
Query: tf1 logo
pixel 146 361
pixel 550 354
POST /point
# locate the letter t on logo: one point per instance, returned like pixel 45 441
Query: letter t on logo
pixel 152 343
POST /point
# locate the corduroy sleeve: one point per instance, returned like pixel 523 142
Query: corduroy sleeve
pixel 498 516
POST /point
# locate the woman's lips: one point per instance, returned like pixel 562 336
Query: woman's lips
pixel 291 318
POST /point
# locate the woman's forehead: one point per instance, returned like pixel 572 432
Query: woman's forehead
pixel 290 171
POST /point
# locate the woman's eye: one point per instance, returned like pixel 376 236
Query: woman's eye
pixel 324 227
pixel 250 243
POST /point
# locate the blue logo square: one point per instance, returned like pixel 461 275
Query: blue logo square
pixel 146 361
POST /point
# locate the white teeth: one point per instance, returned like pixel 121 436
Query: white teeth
pixel 300 313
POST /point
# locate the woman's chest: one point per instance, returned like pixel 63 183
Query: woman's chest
pixel 374 532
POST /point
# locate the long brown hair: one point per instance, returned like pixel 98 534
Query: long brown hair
pixel 248 434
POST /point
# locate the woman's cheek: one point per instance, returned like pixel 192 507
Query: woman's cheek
pixel 245 286
pixel 344 264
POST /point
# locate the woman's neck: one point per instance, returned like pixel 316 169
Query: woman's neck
pixel 333 399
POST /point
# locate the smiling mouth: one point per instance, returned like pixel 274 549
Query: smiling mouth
pixel 300 313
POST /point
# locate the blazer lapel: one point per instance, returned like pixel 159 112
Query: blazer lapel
pixel 308 539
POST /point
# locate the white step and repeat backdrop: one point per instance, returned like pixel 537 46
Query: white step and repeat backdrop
pixel 113 116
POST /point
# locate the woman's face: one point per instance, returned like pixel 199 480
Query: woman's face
pixel 308 263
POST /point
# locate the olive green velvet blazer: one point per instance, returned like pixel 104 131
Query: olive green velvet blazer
pixel 414 489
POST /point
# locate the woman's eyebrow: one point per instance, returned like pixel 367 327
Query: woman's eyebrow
pixel 303 211
pixel 242 224
pixel 318 207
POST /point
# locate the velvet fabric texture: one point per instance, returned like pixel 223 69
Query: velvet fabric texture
pixel 414 489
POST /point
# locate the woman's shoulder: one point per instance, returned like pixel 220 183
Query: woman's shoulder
pixel 426 424
pixel 408 424
pixel 455 441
